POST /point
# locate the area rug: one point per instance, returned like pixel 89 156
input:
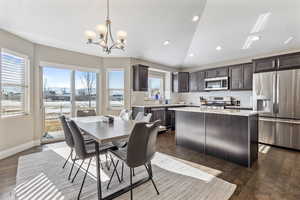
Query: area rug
pixel 40 177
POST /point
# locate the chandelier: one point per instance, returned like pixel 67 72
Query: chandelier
pixel 105 37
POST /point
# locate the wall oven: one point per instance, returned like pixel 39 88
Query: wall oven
pixel 219 83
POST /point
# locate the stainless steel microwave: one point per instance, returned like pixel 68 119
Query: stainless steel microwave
pixel 219 83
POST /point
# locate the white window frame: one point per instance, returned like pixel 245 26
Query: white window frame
pixel 73 69
pixel 108 90
pixel 26 85
pixel 154 74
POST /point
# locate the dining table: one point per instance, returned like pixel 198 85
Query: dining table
pixel 100 130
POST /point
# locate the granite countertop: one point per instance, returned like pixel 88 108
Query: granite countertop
pixel 158 105
pixel 216 111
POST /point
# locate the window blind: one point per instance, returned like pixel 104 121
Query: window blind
pixel 13 84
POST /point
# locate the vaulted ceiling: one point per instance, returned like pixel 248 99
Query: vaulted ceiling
pixel 61 23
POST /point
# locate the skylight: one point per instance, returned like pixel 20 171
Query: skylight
pixel 250 40
pixel 260 22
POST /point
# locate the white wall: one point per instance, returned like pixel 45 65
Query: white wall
pixel 17 130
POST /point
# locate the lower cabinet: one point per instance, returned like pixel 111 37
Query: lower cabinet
pixel 159 114
pixel 186 133
pixel 229 139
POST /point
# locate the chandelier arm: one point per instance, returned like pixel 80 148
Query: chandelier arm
pixel 111 37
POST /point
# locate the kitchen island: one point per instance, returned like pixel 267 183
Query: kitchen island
pixel 227 134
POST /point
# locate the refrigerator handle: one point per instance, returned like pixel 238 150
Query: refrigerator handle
pixel 274 93
pixel 277 93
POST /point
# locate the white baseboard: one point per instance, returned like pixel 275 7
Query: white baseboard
pixel 19 148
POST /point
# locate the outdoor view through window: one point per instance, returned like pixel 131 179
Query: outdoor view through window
pixel 58 91
pixel 116 88
pixel 14 84
pixel 155 85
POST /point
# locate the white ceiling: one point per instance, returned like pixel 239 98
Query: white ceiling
pixel 61 23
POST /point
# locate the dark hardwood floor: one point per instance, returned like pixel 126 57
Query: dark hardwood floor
pixel 276 175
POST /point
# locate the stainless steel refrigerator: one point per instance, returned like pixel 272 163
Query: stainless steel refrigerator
pixel 277 95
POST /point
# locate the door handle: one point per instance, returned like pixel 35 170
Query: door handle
pixel 274 93
pixel 277 93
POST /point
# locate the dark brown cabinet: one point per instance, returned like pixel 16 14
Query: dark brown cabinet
pixel 219 72
pixel 241 76
pixel 159 114
pixel 140 78
pixel 196 81
pixel 180 82
pixel 264 64
pixel 201 81
pixel 289 61
pixel 248 76
pixel 211 74
pixel 236 77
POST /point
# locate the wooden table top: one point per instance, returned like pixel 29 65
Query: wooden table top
pixel 104 132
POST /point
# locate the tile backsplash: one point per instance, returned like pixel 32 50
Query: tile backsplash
pixel 141 98
pixel 245 97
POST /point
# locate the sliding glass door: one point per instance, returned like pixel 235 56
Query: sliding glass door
pixel 66 92
pixel 85 91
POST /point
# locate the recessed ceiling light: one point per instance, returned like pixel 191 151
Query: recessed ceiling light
pixel 196 18
pixel 260 22
pixel 167 42
pixel 288 40
pixel 191 55
pixel 218 48
pixel 250 40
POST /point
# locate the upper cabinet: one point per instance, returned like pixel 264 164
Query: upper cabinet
pixel 241 76
pixel 236 77
pixel 180 82
pixel 264 64
pixel 248 76
pixel 280 62
pixel 197 83
pixel 219 72
pixel 140 78
pixel 289 61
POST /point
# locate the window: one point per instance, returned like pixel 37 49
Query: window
pixel 115 88
pixel 156 86
pixel 85 90
pixel 13 84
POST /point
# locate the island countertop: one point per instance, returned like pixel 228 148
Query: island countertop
pixel 246 113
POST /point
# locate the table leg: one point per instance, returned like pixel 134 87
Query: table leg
pixel 98 172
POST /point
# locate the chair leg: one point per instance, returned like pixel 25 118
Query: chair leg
pixel 69 177
pixel 111 177
pixel 115 166
pixel 133 172
pixel 122 175
pixel 150 173
pixel 68 159
pixel 77 171
pixel 87 169
pixel 106 161
pixel 131 195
